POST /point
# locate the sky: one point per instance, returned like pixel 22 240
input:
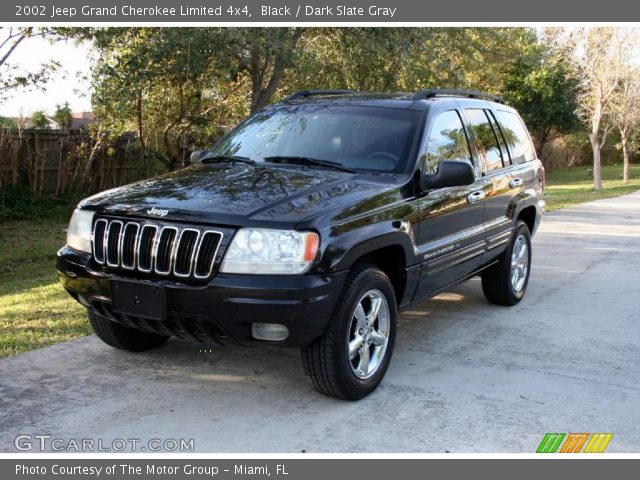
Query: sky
pixel 64 86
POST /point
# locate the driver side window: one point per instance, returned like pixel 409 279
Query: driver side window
pixel 447 141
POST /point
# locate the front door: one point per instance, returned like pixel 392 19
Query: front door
pixel 451 237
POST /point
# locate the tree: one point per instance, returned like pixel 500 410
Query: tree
pixel 8 123
pixel 601 56
pixel 264 54
pixel 175 86
pixel 625 114
pixel 409 59
pixel 11 77
pixel 39 119
pixel 544 91
pixel 62 116
pixel 159 83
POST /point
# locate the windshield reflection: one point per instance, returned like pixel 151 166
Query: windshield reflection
pixel 363 138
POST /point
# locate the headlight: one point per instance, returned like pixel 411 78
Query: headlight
pixel 79 231
pixel 277 252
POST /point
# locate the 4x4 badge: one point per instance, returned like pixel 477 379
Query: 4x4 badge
pixel 157 211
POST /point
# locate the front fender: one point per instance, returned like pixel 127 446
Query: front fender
pixel 348 246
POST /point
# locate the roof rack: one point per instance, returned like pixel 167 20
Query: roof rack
pixel 440 92
pixel 310 93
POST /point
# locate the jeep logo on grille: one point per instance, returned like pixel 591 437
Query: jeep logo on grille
pixel 157 211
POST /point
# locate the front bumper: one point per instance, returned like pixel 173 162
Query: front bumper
pixel 224 308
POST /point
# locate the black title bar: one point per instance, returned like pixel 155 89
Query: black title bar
pixel 315 11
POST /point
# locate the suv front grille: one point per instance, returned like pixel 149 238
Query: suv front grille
pixel 166 250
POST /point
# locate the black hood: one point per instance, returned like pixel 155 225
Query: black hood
pixel 234 193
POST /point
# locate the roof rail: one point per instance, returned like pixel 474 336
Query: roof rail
pixel 310 93
pixel 441 92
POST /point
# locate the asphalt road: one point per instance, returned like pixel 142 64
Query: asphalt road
pixel 466 376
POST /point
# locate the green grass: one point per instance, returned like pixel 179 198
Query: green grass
pixel 570 187
pixel 35 311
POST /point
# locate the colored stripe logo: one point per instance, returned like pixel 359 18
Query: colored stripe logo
pixel 573 442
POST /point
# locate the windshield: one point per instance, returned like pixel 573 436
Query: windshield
pixel 363 138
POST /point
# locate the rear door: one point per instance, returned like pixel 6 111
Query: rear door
pixel 524 174
pixel 450 233
pixel 520 172
pixel 491 151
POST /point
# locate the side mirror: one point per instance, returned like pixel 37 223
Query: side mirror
pixel 196 157
pixel 451 173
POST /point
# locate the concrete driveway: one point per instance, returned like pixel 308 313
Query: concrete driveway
pixel 466 376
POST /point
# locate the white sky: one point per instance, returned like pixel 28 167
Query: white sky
pixel 64 86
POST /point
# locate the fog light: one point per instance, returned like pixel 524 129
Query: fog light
pixel 271 332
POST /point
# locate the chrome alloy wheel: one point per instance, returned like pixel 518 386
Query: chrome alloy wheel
pixel 519 263
pixel 369 334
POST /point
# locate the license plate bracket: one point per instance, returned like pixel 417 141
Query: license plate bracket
pixel 139 299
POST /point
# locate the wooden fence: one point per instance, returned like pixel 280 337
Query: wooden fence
pixel 58 162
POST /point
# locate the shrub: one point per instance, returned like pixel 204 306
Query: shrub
pixel 39 120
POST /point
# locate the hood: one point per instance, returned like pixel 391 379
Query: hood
pixel 233 194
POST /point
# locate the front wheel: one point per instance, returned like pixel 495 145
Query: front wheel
pixel 351 358
pixel 505 282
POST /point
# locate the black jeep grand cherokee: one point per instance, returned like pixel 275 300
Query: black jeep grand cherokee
pixel 312 224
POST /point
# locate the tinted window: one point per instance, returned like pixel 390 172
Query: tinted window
pixel 366 138
pixel 499 134
pixel 516 137
pixel 447 141
pixel 484 138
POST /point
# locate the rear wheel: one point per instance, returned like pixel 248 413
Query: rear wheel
pixel 119 336
pixel 351 358
pixel 505 283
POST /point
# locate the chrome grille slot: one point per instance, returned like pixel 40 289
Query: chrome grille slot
pixel 155 248
pixel 163 250
pixel 99 231
pixel 112 250
pixel 206 253
pixel 129 238
pixel 185 252
pixel 145 247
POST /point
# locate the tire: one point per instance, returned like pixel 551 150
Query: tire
pixel 333 371
pixel 497 281
pixel 124 338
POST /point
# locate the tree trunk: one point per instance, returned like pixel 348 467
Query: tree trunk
pixel 625 155
pixel 594 137
pixel 143 142
pixel 92 158
pixel 597 171
pixel 262 93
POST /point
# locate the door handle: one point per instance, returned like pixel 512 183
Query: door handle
pixel 475 196
pixel 516 182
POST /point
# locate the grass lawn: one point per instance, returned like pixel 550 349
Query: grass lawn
pixel 569 187
pixel 35 311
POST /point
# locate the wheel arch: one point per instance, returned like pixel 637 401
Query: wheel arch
pixel 392 253
pixel 528 207
pixel 528 216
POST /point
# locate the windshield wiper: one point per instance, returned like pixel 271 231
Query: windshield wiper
pixel 309 162
pixel 226 158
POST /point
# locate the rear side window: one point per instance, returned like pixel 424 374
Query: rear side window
pixel 499 134
pixel 484 138
pixel 516 137
pixel 447 141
